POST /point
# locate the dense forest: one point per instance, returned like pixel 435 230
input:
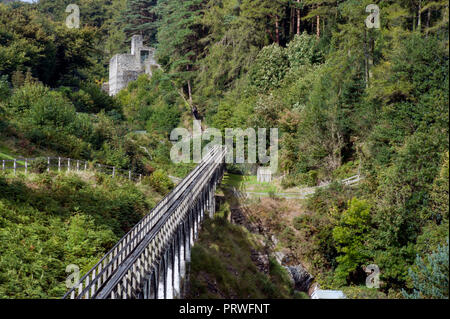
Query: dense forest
pixel 346 99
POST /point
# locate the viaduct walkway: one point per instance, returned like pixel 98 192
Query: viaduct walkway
pixel 149 262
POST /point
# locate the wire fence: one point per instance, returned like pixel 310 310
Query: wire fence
pixel 61 164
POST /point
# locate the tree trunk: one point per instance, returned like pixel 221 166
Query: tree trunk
pixel 189 92
pixel 371 55
pixel 318 27
pixel 428 20
pixel 189 89
pixel 298 18
pixel 419 20
pixel 277 31
pixel 292 24
pixel 366 60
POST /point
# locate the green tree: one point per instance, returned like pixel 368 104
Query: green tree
pixel 430 276
pixel 141 17
pixel 350 236
pixel 269 68
pixel 178 36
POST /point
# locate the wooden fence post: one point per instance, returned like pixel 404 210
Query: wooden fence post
pixel 68 164
pixel 48 164
pixel 59 164
pixel 129 175
pixel 15 166
pixel 26 166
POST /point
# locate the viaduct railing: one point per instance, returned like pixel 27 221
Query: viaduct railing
pixel 65 164
pixel 150 260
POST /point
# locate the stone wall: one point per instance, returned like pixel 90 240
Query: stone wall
pixel 124 68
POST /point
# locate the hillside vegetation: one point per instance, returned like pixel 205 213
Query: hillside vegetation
pixel 49 221
pixel 346 99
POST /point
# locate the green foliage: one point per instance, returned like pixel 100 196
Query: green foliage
pixel 50 49
pixel 430 276
pixel 269 68
pixel 152 103
pixel 49 221
pixel 222 266
pixel 159 181
pixel 178 36
pixel 440 192
pixel 345 98
pixel 300 50
pixel 91 99
pixel 39 165
pixel 350 236
pixel 4 88
pixel 140 17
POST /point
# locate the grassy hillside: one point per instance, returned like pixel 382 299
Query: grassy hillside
pixel 222 264
pixel 48 221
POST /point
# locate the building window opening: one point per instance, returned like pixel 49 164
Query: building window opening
pixel 144 55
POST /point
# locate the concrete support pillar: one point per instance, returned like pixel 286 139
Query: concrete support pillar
pixel 177 264
pixel 162 287
pixel 156 282
pixel 182 259
pixel 169 272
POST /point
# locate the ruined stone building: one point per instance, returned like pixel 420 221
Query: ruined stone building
pixel 124 68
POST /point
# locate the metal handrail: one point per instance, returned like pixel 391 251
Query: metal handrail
pixel 192 191
pixel 69 164
pixel 130 240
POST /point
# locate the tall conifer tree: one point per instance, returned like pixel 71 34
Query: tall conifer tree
pixel 140 18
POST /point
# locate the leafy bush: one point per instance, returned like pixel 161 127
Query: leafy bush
pixel 301 49
pixel 350 236
pixel 51 109
pixel 269 68
pixel 302 222
pixel 159 181
pixel 164 119
pixel 59 220
pixel 90 98
pixel 39 165
pixel 5 90
pixel 25 96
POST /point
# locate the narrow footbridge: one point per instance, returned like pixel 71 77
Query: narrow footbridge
pixel 149 262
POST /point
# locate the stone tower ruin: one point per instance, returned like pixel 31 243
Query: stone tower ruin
pixel 124 68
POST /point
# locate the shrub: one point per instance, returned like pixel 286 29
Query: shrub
pixel 5 91
pixel 350 236
pixel 300 51
pixel 302 222
pixel 92 99
pixel 163 119
pixel 39 165
pixel 159 181
pixel 51 109
pixel 269 68
pixel 25 96
pixel 288 181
